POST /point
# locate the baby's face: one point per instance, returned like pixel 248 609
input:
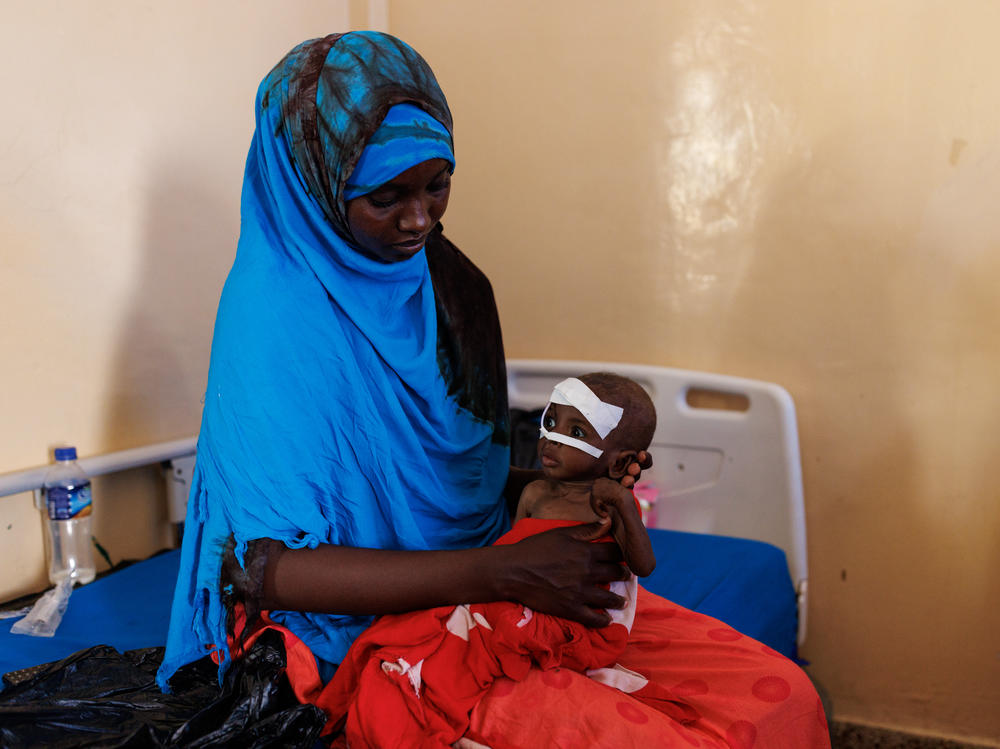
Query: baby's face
pixel 565 463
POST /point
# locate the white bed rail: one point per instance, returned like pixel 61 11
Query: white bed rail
pixel 179 453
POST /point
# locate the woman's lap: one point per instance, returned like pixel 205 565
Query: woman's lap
pixel 747 694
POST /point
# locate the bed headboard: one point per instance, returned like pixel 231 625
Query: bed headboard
pixel 725 452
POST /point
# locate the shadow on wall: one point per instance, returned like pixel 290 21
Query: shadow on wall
pixel 160 367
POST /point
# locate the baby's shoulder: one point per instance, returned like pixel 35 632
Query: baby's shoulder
pixel 531 495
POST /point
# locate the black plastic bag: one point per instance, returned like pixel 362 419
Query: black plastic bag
pixel 99 697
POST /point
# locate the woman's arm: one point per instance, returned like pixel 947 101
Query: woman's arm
pixel 557 572
pixel 553 572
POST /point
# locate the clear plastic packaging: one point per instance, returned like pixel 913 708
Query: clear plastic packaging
pixel 44 618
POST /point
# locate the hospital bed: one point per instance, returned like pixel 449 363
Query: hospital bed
pixel 729 529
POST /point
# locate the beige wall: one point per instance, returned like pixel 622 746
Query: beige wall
pixel 796 192
pixel 789 191
pixel 125 129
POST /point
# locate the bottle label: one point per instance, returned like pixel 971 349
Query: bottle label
pixel 68 503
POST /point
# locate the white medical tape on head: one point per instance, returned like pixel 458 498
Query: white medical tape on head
pixel 571 441
pixel 602 416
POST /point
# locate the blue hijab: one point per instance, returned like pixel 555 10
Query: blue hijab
pixel 333 413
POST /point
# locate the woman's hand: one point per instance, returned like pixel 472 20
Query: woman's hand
pixel 559 572
pixel 643 461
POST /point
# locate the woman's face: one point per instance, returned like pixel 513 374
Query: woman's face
pixel 391 223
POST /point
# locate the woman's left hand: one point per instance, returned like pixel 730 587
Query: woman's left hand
pixel 643 461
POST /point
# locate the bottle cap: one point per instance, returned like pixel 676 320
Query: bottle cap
pixel 65 453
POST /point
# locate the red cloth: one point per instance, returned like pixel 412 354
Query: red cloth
pixel 678 679
pixel 412 679
pixel 748 695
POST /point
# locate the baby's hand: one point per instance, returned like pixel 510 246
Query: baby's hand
pixel 616 505
pixel 609 498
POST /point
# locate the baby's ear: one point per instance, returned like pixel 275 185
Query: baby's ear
pixel 621 459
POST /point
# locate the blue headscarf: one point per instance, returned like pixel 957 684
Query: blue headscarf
pixel 406 133
pixel 330 416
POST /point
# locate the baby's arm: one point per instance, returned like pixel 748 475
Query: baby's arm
pixel 609 499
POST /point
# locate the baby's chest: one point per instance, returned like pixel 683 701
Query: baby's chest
pixel 558 508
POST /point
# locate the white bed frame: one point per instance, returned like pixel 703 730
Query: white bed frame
pixel 720 470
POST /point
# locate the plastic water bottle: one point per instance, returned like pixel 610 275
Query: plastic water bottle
pixel 68 500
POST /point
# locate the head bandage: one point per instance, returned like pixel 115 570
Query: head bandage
pixel 602 416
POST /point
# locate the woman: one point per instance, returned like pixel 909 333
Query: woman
pixel 353 457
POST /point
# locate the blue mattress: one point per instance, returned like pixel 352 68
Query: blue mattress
pixel 743 583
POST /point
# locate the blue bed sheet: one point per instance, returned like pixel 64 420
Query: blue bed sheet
pixel 128 609
pixel 743 583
